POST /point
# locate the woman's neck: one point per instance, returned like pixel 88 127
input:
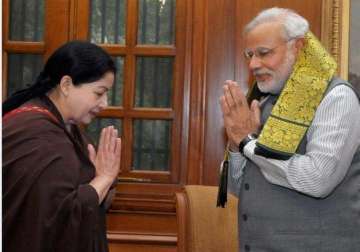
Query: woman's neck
pixel 56 99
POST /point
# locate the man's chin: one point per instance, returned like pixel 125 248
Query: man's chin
pixel 264 86
pixel 269 87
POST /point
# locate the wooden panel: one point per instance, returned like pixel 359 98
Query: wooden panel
pixel 139 242
pixel 14 46
pixel 79 19
pixel 140 50
pixel 142 223
pixel 57 18
pixel 220 67
pixel 145 197
pixel 182 219
pixel 5 19
pixel 24 47
pixel 212 62
pixel 141 231
pixel 196 51
pixel 131 247
pixel 5 37
pixel 146 113
pixel 335 32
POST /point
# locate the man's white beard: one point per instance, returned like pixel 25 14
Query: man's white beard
pixel 279 77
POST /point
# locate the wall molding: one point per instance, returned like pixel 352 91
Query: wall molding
pixel 119 237
pixel 335 32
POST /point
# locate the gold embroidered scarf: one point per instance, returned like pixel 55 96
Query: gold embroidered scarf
pixel 295 108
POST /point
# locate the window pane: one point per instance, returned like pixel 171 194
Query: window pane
pixel 156 21
pixel 116 93
pixel 22 70
pixel 354 66
pixel 154 81
pixel 151 149
pixel 107 21
pixel 93 129
pixel 26 20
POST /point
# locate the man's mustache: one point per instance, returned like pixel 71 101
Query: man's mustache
pixel 257 72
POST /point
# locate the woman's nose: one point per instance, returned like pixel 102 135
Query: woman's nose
pixel 104 101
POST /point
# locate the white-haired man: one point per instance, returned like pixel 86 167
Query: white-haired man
pixel 294 152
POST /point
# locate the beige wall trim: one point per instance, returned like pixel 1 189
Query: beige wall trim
pixel 335 32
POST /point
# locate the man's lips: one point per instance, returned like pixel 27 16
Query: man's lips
pixel 262 77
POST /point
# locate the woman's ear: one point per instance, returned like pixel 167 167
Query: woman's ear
pixel 65 85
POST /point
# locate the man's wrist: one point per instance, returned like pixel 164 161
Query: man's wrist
pixel 245 141
pixel 233 147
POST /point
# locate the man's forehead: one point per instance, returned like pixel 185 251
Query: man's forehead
pixel 265 34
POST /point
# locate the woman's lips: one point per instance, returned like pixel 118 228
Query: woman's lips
pixel 93 114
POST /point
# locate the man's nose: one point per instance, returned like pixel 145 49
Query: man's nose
pixel 254 63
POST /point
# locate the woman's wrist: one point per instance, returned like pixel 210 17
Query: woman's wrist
pixel 102 185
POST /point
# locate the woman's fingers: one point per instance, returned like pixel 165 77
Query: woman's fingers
pixel 113 137
pixel 92 153
pixel 118 153
pixel 108 136
pixel 102 140
pixel 107 140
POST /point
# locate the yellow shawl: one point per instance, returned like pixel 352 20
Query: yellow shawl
pixel 295 108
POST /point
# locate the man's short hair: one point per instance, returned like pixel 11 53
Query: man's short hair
pixel 295 26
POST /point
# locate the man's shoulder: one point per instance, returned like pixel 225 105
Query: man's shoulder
pixel 337 81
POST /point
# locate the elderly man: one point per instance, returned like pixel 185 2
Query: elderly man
pixel 294 151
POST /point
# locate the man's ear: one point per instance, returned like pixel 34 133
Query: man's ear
pixel 299 44
pixel 65 85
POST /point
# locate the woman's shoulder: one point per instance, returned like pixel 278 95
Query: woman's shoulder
pixel 31 124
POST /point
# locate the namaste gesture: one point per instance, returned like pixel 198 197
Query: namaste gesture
pixel 239 119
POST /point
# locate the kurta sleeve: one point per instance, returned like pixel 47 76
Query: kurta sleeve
pixel 237 163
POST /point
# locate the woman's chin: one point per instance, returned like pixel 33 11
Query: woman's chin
pixel 85 120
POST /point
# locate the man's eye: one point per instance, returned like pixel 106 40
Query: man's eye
pixel 248 54
pixel 98 94
pixel 263 53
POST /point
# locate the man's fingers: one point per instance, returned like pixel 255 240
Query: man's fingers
pixel 237 94
pixel 224 106
pixel 255 110
pixel 228 97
